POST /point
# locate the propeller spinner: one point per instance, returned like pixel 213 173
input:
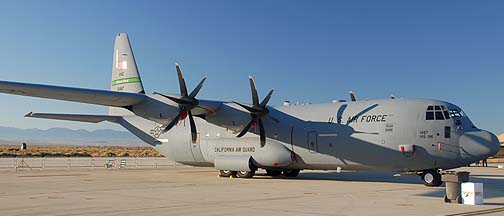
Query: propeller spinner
pixel 186 103
pixel 257 112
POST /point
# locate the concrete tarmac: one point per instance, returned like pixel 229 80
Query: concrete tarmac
pixel 198 191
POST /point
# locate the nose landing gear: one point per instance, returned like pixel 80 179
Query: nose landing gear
pixel 431 178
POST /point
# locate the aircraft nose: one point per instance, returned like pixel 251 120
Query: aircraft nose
pixel 478 145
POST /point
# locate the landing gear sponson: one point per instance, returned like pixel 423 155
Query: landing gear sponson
pixel 250 174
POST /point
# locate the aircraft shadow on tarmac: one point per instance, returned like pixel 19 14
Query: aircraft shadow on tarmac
pixel 385 177
pixel 494 188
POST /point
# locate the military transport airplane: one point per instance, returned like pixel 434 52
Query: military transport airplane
pixel 420 136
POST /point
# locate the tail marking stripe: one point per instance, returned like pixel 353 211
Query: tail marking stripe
pixel 126 80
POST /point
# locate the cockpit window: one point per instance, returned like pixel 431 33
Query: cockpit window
pixel 437 112
pixel 429 116
pixel 445 112
pixel 455 113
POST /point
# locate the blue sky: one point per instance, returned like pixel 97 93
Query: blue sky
pixel 309 51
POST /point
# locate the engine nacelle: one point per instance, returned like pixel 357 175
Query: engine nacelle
pixel 233 163
pixel 247 154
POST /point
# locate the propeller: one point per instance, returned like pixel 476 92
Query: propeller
pixel 257 112
pixel 186 103
pixel 353 97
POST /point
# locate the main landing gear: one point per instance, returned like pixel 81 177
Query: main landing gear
pixel 250 174
pixel 239 174
pixel 291 172
pixel 431 178
pixel 286 172
pixel 227 173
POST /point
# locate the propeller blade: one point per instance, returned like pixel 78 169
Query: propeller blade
pixel 197 89
pixel 247 128
pixel 362 132
pixel 363 112
pixel 194 132
pixel 267 98
pixel 174 99
pixel 183 88
pixel 173 122
pixel 248 108
pixel 352 96
pixel 262 133
pixel 255 98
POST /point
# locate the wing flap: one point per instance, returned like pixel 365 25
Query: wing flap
pixel 122 120
pixel 91 96
pixel 74 117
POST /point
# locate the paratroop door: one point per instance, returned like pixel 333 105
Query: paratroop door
pixel 312 141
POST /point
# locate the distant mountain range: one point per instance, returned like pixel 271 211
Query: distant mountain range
pixel 65 136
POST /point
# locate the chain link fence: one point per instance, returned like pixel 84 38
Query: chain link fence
pixel 18 163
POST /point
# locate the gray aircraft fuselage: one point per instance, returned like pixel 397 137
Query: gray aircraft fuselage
pixel 389 134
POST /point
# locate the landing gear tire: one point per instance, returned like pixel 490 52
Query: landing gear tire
pixel 459 200
pixel 227 173
pixel 245 174
pixel 270 172
pixel 431 178
pixel 291 173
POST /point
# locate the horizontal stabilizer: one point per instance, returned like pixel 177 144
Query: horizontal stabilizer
pixel 91 96
pixel 125 121
pixel 74 117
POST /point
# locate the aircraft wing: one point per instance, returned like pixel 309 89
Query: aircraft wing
pixel 122 120
pixel 91 96
pixel 74 117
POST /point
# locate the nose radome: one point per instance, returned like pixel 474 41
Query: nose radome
pixel 478 145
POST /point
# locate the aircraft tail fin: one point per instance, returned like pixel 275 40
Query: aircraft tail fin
pixel 125 76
